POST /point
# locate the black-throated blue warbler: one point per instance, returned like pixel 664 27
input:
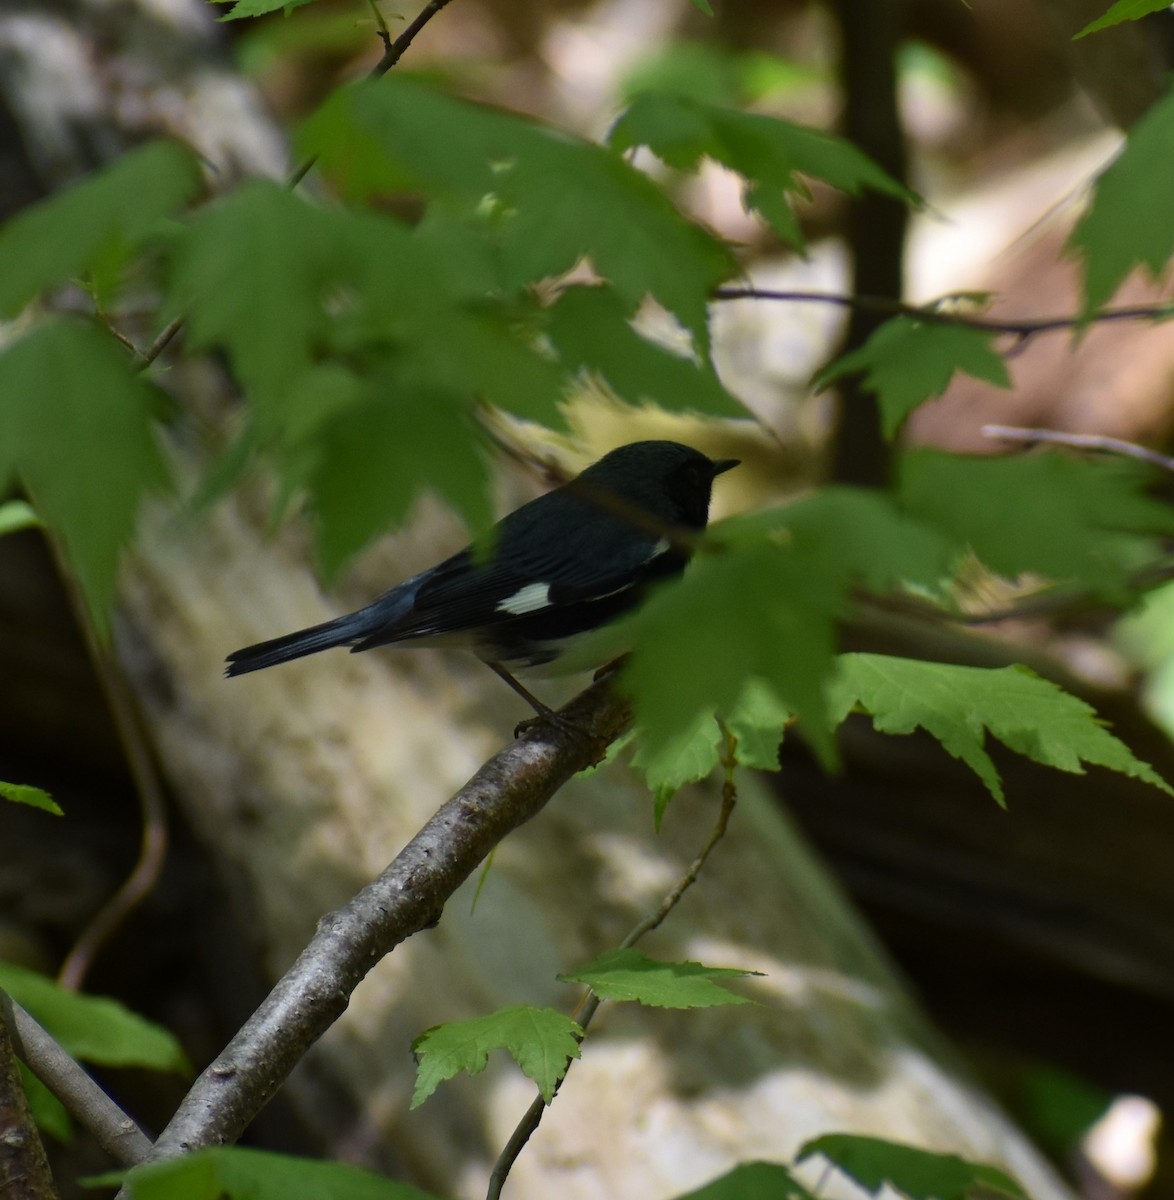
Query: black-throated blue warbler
pixel 558 567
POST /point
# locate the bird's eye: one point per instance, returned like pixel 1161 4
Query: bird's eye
pixel 693 473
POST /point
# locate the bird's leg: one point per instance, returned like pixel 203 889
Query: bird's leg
pixel 546 714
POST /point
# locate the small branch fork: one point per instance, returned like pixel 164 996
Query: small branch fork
pixel 83 1099
pixel 510 789
pixel 532 1117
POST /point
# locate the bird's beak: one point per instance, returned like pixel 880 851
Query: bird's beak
pixel 724 464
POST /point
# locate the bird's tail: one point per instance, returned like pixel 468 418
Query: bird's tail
pixel 342 631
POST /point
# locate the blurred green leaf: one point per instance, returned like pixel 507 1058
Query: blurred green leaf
pixel 591 330
pixel 16 515
pixel 93 225
pixel 559 199
pixel 1130 221
pixel 906 362
pixel 372 462
pixel 1085 520
pixel 93 1028
pixel 769 153
pixel 47 1111
pixel 1123 10
pixel 753 1181
pixel 76 429
pixel 242 1174
pixel 919 1174
pixel 258 8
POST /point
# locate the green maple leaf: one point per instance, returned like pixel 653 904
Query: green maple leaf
pixel 630 975
pixel 1130 221
pixel 1085 520
pixel 76 429
pixel 557 199
pixel 762 603
pixel 95 225
pixel 771 154
pixel 960 706
pixel 906 362
pixel 541 1041
pixel 94 1028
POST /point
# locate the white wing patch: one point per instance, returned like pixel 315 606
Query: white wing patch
pixel 662 547
pixel 529 599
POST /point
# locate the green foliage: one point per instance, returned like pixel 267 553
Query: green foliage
pixel 754 726
pixel 1123 10
pixel 75 429
pixel 1068 519
pixel 787 574
pixel 93 1028
pixel 556 197
pixel 21 793
pixel 960 705
pixel 753 1181
pixel 540 1040
pixel 591 331
pixel 94 227
pixel 919 1174
pixel 47 1111
pixel 1057 1108
pixel 906 362
pixel 628 974
pixel 240 1174
pixel 717 74
pixel 769 153
pixel 259 8
pixel 1130 222
pixel 16 515
pixel 684 755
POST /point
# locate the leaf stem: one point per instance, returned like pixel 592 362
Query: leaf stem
pixel 589 1005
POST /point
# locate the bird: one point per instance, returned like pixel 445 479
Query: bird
pixel 550 572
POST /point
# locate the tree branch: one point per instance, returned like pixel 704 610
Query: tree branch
pixel 409 896
pixel 1021 330
pixel 85 1101
pixel 24 1170
pixel 394 50
pixel 1081 441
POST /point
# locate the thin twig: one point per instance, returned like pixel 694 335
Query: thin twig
pixel 1080 441
pixel 1019 329
pixel 153 842
pixel 588 1007
pixel 83 1099
pixel 24 1169
pixel 160 343
pixel 394 50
